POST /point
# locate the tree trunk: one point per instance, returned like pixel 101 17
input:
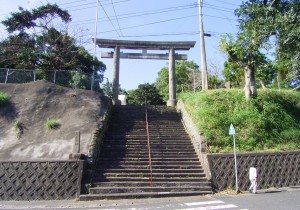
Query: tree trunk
pixel 250 86
pixel 262 84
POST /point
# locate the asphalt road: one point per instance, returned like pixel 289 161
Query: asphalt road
pixel 283 199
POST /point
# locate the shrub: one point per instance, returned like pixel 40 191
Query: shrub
pixel 52 124
pixel 4 99
pixel 18 128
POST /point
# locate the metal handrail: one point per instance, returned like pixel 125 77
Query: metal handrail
pixel 149 148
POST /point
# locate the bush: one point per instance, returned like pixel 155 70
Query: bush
pixel 269 122
pixel 18 128
pixel 4 99
pixel 52 124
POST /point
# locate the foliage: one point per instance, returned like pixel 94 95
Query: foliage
pixel 234 74
pixel 17 51
pixel 214 82
pixel 269 122
pixel 52 124
pixel 266 26
pixel 22 20
pixel 4 99
pixel 48 48
pixel 183 74
pixel 18 128
pixel 144 92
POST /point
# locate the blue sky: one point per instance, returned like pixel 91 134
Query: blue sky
pixel 155 20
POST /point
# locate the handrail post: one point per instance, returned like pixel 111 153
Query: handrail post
pixel 148 138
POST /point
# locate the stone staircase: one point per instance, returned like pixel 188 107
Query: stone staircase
pixel 123 169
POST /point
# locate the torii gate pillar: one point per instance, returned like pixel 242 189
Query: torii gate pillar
pixel 172 79
pixel 116 73
pixel 144 45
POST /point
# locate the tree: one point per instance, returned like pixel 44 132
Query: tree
pixel 234 74
pixel 214 80
pixel 184 78
pixel 266 24
pixel 36 43
pixel 145 92
pixel 41 17
pixel 18 51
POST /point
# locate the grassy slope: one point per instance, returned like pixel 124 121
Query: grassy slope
pixel 270 122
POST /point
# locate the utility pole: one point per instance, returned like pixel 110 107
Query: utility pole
pixel 94 55
pixel 202 49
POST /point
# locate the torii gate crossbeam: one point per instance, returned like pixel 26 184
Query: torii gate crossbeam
pixel 117 45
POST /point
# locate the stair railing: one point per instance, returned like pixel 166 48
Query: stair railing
pixel 148 138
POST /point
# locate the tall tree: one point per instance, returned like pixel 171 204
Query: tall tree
pixel 41 18
pixel 145 92
pixel 184 78
pixel 266 24
pixel 35 42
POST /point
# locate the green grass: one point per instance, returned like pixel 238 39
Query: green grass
pixel 4 99
pixel 18 128
pixel 270 122
pixel 52 124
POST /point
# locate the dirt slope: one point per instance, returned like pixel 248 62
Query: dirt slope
pixel 32 104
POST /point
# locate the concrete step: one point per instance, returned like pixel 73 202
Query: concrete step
pixel 137 174
pixel 137 132
pixel 91 197
pixel 132 167
pixel 106 190
pixel 156 142
pixel 144 162
pixel 147 170
pixel 146 183
pixel 166 160
pixel 165 136
pixel 152 146
pixel 154 154
pixel 147 179
pixel 179 149
pixel 144 141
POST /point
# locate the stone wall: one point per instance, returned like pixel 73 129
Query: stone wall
pixel 197 139
pixel 40 180
pixel 281 169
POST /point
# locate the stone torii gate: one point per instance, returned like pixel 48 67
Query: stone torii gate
pixel 117 45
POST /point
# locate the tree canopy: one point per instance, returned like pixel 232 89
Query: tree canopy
pixel 184 78
pixel 268 28
pixel 145 92
pixel 36 42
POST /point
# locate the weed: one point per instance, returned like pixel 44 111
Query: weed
pixel 4 99
pixel 18 128
pixel 52 124
pixel 228 191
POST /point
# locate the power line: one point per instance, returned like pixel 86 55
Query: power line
pixel 109 19
pixel 166 34
pixel 225 9
pixel 227 3
pixel 73 2
pixel 205 15
pixel 94 6
pixel 112 2
pixel 152 23
pixel 145 13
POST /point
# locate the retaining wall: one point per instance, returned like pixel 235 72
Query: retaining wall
pixel 40 180
pixel 281 169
